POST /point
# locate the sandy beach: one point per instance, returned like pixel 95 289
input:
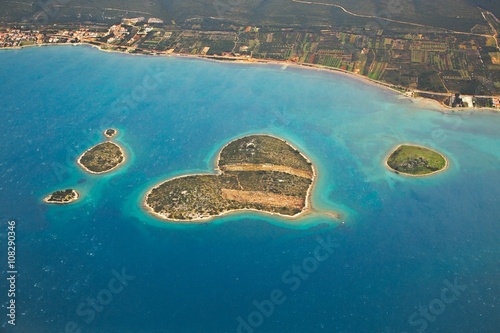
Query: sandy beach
pixel 423 101
pixel 427 103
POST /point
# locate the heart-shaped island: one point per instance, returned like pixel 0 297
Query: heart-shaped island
pixel 256 172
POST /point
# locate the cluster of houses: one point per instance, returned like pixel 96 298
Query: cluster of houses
pixel 469 101
pixel 136 20
pixel 15 37
pixel 462 101
pixel 18 38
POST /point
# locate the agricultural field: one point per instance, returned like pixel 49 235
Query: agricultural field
pixel 403 56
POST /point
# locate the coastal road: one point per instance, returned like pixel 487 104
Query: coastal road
pixel 487 17
pixel 388 19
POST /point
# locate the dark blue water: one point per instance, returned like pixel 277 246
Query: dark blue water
pixel 403 240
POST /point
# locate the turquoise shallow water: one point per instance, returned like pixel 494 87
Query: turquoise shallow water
pixel 402 237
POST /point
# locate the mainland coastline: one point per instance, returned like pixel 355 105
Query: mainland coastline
pixel 422 100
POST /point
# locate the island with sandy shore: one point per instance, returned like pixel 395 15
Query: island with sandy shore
pixel 256 172
pixel 110 133
pixel 102 158
pixel 415 160
pixel 62 197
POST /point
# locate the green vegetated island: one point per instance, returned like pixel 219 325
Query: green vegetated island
pixel 416 161
pixel 102 158
pixel 257 172
pixel 62 197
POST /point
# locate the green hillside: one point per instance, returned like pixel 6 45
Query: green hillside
pixel 58 11
pixel 459 15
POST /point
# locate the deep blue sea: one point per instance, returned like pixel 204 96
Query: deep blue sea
pixel 412 254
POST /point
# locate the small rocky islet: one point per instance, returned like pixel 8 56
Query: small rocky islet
pixel 62 197
pixel 110 133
